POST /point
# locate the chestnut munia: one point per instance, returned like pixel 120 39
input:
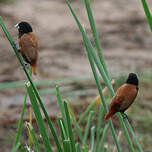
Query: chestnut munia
pixel 28 44
pixel 124 97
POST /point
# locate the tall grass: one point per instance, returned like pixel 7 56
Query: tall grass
pixel 148 14
pixel 66 140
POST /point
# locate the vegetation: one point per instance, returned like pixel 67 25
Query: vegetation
pixel 72 136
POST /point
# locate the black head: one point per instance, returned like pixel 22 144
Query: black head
pixel 23 27
pixel 132 79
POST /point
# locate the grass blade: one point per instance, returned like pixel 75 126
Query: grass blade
pixel 103 100
pixel 39 118
pixel 100 116
pixel 92 138
pixel 95 35
pixel 87 128
pixel 78 147
pixel 20 124
pixel 101 145
pixel 36 144
pixel 16 147
pixel 85 148
pixel 84 115
pixel 126 134
pixel 147 12
pixel 133 135
pixel 67 146
pixel 62 129
pixel 76 125
pixel 60 103
pixel 91 50
pixel 71 136
pixel 119 139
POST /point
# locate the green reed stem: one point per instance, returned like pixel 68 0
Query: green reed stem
pixel 96 36
pixel 78 149
pixel 84 115
pixel 70 132
pixel 87 128
pixel 92 138
pixel 62 130
pixel 148 14
pixel 103 100
pixel 100 117
pixel 126 134
pixel 76 126
pixel 91 50
pixel 101 145
pixel 67 146
pixel 15 148
pixel 60 103
pixel 35 141
pixel 20 124
pixel 39 118
pixel 133 135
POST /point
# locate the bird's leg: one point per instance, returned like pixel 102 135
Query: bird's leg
pixel 124 116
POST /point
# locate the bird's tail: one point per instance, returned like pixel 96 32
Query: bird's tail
pixel 109 114
pixel 34 69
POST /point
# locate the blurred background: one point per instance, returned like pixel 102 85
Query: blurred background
pixel 126 41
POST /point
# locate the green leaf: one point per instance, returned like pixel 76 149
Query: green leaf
pixel 87 128
pixel 101 145
pixel 21 121
pixel 16 147
pixel 35 141
pixel 60 103
pixel 62 129
pixel 84 115
pixel 147 12
pixel 100 117
pixel 92 138
pixel 78 147
pixel 71 136
pixel 67 146
pixel 95 36
pixel 39 118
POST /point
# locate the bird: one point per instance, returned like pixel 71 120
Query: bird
pixel 124 96
pixel 28 44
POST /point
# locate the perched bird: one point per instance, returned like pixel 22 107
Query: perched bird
pixel 28 44
pixel 124 96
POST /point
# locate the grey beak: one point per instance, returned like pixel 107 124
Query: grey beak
pixel 17 26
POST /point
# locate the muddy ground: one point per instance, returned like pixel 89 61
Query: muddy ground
pixel 123 30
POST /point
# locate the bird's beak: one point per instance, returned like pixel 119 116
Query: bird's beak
pixel 17 26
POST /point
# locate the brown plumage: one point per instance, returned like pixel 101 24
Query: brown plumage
pixel 28 44
pixel 124 96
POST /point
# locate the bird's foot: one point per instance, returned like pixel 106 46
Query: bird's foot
pixel 15 45
pixel 124 116
pixel 25 64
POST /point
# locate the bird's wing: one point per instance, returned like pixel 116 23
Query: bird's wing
pixel 116 102
pixel 28 46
